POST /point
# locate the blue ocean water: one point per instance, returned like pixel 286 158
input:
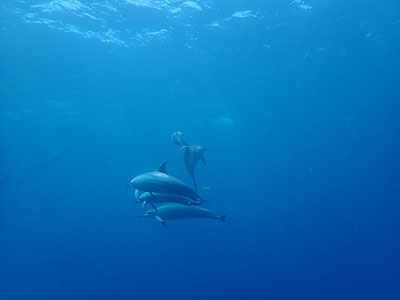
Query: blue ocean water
pixel 297 103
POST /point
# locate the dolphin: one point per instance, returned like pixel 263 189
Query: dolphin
pixel 177 139
pixel 191 157
pixel 172 211
pixel 160 182
pixel 155 198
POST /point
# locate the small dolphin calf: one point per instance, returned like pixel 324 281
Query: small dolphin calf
pixel 180 211
pixel 155 198
pixel 160 182
pixel 177 139
pixel 192 156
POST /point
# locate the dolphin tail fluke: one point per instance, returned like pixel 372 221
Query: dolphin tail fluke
pixel 222 218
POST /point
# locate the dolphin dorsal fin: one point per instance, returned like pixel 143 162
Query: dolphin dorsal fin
pixel 162 167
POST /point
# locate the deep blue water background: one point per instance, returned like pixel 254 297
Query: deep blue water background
pixel 308 172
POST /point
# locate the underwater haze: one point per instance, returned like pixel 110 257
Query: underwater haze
pixel 297 103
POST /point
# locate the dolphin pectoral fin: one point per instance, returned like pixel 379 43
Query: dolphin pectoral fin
pixel 143 203
pixel 203 160
pixel 222 218
pixel 162 167
pixel 183 147
pixel 153 206
pixel 159 219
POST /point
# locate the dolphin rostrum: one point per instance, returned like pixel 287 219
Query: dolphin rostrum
pixel 160 182
pixel 155 198
pixel 191 157
pixel 180 211
pixel 177 139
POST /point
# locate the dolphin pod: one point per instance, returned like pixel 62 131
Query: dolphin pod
pixel 170 197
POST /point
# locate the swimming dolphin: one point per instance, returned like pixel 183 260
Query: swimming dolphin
pixel 160 182
pixel 191 157
pixel 180 211
pixel 177 139
pixel 155 198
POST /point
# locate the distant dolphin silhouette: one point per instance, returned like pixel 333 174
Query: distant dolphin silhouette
pixel 177 139
pixel 160 182
pixel 172 211
pixel 191 157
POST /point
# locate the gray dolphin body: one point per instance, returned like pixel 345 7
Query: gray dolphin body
pixel 173 211
pixel 191 157
pixel 177 139
pixel 160 182
pixel 155 198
